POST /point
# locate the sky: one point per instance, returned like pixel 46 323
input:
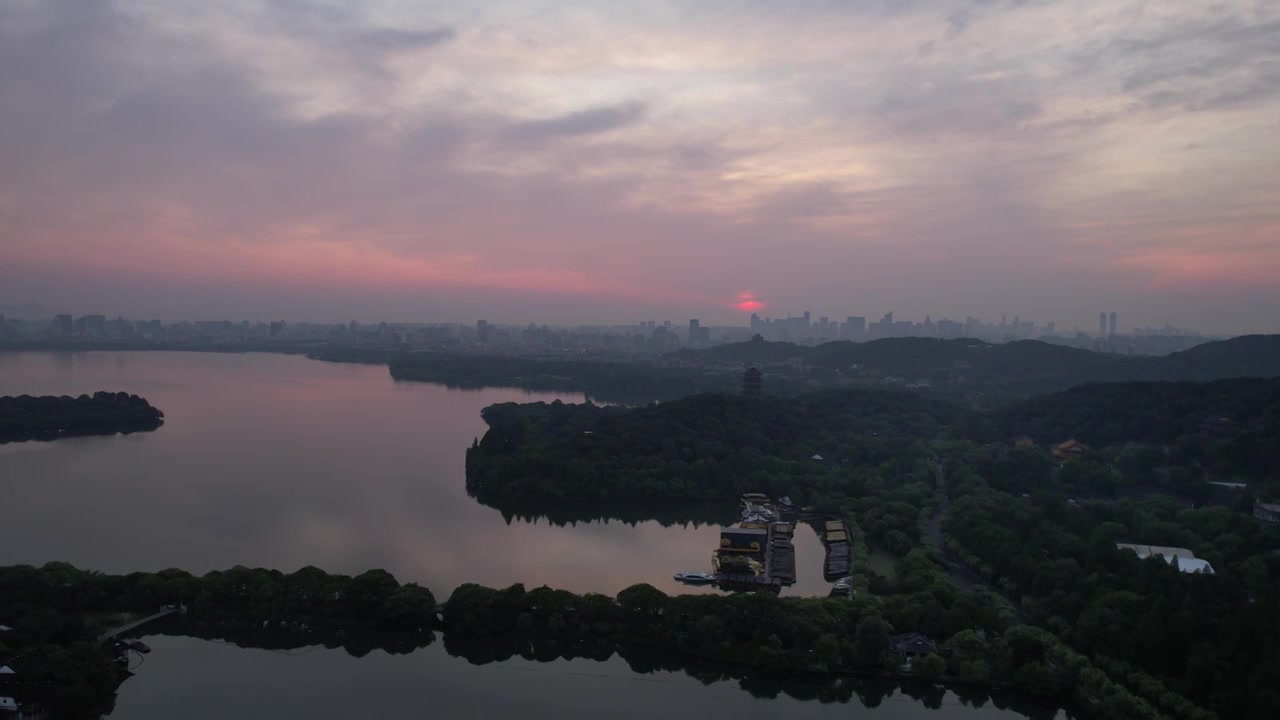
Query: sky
pixel 575 162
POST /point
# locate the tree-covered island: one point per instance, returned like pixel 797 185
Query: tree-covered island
pixel 25 417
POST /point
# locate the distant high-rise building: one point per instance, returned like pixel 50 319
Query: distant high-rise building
pixel 698 335
pixel 1102 324
pixel 62 325
pixel 1113 323
pixel 482 331
pixel 855 327
pixel 91 325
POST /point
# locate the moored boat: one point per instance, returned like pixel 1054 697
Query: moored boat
pixel 695 578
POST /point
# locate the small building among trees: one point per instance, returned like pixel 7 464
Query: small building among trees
pixel 912 645
pixel 1070 450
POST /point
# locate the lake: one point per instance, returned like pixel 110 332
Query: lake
pixel 212 680
pixel 278 461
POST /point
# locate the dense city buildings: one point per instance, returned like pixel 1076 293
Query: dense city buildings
pixel 644 338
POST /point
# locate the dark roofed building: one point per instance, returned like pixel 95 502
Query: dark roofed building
pixel 20 667
pixel 912 645
pixel 1070 450
pixel 1267 512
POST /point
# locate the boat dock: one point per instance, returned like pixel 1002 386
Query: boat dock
pixel 780 555
pixel 839 554
pixel 758 554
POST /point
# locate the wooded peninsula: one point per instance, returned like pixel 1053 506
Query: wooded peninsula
pixel 50 417
pixel 1048 508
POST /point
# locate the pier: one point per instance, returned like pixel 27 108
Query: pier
pixel 780 554
pixel 839 554
pixel 136 624
pixel 757 554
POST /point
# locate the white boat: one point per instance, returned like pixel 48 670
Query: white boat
pixel 695 577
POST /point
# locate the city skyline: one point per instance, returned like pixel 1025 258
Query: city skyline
pixel 645 338
pixel 388 160
pixel 806 326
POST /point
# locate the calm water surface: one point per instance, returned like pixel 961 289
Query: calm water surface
pixel 199 679
pixel 278 461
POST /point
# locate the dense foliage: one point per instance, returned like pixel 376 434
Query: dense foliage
pixel 44 418
pixel 253 596
pixel 1215 638
pixel 1219 429
pixel 696 447
pixel 52 611
pixel 785 636
pixel 1146 412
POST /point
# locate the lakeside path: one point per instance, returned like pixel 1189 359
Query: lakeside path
pixel 135 624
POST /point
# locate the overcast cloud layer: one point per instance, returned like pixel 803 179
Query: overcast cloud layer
pixel 582 161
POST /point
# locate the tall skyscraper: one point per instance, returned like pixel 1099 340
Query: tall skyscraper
pixel 1113 323
pixel 1102 324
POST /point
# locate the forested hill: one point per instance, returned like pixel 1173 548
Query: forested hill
pixel 1007 371
pixel 695 447
pixel 1244 356
pixel 1145 412
pixel 45 418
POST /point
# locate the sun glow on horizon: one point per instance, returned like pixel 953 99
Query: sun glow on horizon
pixel 747 302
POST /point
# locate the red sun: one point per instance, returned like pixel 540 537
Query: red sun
pixel 747 302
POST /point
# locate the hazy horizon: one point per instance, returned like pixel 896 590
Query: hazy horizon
pixel 574 163
pixel 38 313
